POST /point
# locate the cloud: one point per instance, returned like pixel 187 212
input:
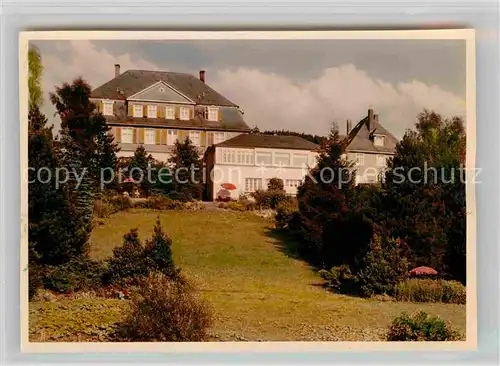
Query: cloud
pixel 82 58
pixel 271 101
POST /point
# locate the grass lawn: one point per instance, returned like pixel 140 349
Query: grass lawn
pixel 258 292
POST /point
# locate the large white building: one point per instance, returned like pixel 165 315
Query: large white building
pixel 248 161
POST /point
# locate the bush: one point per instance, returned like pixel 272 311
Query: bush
pixel 167 311
pixel 158 253
pixel 268 199
pixel 425 290
pixel 120 203
pixel 420 327
pixel 128 262
pixel 78 274
pixel 236 206
pixel 383 267
pixel 285 210
pixel 132 261
pixel 102 209
pixel 275 184
pixel 163 203
pixel 178 196
pixel 340 279
pixel 36 272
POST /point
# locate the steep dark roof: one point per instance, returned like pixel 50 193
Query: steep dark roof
pixel 362 141
pixel 269 141
pixel 133 81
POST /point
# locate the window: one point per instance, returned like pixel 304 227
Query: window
pixel 227 156
pixel 253 184
pixel 195 137
pixel 184 113
pixel 149 136
pixel 299 160
pixel 151 111
pixel 107 108
pixel 264 158
pixel 360 159
pixel 212 113
pixel 169 112
pixel 381 160
pixel 171 137
pixel 293 183
pixel 127 135
pixel 282 159
pixel 233 156
pixel 138 110
pixel 378 140
pixel 219 137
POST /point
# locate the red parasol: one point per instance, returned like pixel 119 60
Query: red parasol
pixel 423 270
pixel 129 180
pixel 228 186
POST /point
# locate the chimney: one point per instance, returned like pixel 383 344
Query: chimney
pixel 202 76
pixel 375 121
pixel 348 126
pixel 370 119
pixel 117 70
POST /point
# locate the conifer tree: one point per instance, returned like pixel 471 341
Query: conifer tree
pixel 54 232
pixel 187 169
pixel 159 252
pixel 140 164
pixel 84 133
pixel 331 231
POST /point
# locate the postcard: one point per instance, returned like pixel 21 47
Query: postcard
pixel 277 191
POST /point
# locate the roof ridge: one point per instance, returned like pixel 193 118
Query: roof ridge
pixel 162 71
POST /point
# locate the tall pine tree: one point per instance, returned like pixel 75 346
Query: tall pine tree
pixel 84 133
pixel 331 231
pixel 55 233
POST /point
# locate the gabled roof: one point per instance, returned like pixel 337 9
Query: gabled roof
pixel 269 141
pixel 362 141
pixel 133 81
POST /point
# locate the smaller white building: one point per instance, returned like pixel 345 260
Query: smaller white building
pixel 249 161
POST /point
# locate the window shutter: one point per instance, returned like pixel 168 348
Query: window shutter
pixel 164 137
pixel 191 113
pixel 141 135
pixel 134 135
pixel 99 106
pixel 203 138
pixel 130 110
pixel 157 139
pixel 145 110
pixel 118 134
pixel 180 134
pixel 219 115
pixel 177 111
pixel 160 111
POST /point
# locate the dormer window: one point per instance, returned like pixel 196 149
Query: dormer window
pixel 107 109
pixel 212 113
pixel 138 110
pixel 169 112
pixel 379 140
pixel 152 111
pixel 184 113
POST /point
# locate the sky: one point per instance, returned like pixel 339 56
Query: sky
pixel 299 85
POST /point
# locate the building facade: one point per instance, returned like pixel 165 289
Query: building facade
pixel 370 148
pixel 156 109
pixel 249 161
